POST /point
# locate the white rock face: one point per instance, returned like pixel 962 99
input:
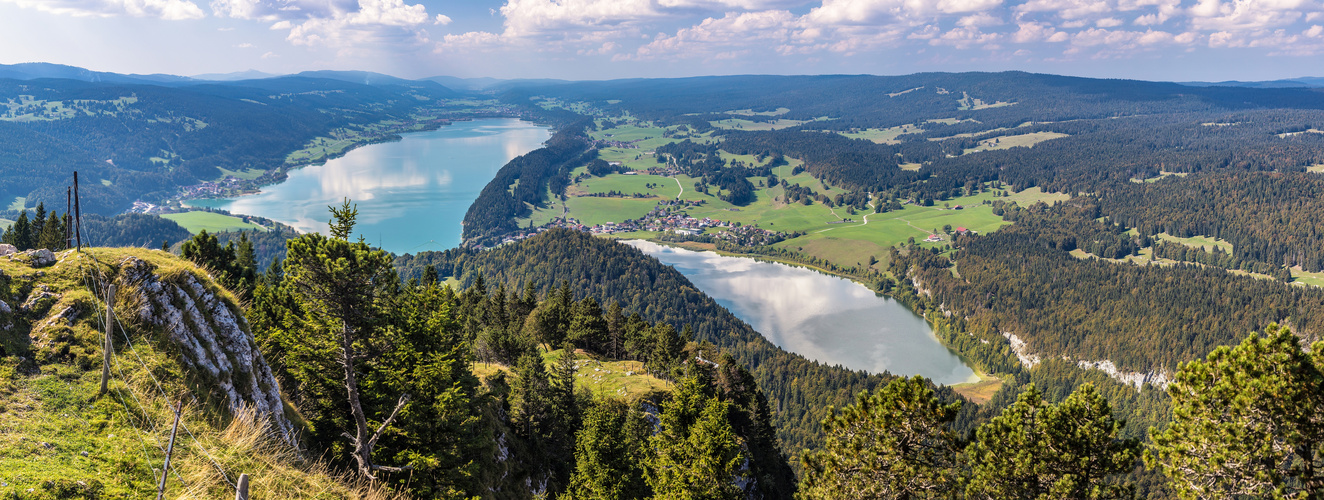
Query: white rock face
pixel 7 249
pixel 1022 351
pixel 1159 379
pixel 213 339
pixel 1137 379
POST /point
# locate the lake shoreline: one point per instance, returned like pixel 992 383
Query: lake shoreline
pixel 887 341
pixel 411 190
pixel 970 389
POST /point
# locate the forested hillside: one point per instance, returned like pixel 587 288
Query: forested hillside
pixel 614 272
pixel 144 141
pixel 525 182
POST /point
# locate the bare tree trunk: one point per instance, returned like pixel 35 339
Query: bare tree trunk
pixel 362 454
pixel 362 441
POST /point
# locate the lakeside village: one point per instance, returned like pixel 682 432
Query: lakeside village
pixel 669 216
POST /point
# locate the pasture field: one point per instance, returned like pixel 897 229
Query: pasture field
pixel 979 392
pixel 628 133
pixel 602 377
pixel 663 187
pixel 213 222
pixel 1014 141
pixel 633 159
pixel 806 180
pixel 1306 278
pixel 1162 175
pixel 322 148
pixel 852 243
pixel 1319 169
pixel 247 174
pixel 750 112
pixel 882 136
pixel 974 103
pixel 1204 242
pixel 742 124
pixel 592 210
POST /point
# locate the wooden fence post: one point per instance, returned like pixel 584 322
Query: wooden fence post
pixel 241 493
pixel 110 335
pixel 165 469
pixel 78 215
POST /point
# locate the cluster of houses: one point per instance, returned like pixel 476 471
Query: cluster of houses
pixel 675 222
pixel 935 238
pixel 750 236
pixel 211 189
pixel 142 207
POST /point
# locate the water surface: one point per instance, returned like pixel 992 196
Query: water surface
pixel 411 194
pixel 822 317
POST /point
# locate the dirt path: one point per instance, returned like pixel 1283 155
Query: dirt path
pixel 682 188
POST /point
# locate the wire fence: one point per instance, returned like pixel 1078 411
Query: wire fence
pixel 97 284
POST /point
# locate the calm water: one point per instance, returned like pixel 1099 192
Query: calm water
pixel 411 194
pixel 821 317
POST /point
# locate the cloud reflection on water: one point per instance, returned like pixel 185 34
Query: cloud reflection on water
pixel 821 317
pixel 408 193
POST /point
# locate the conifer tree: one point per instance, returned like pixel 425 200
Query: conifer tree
pixel 610 452
pixel 342 286
pixel 697 454
pixel 894 443
pixel 588 329
pixel 1247 421
pixel 19 233
pixel 1037 450
pixel 52 233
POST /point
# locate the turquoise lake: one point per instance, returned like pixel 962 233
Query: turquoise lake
pixel 412 194
pixel 821 317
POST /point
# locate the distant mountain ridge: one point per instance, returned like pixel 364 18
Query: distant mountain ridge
pixel 1305 81
pixel 38 70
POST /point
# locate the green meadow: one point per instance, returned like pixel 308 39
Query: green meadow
pixel 212 222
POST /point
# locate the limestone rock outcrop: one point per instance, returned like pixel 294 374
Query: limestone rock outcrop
pixel 212 335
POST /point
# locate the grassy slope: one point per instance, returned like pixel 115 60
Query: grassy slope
pixel 59 432
pixel 213 222
pixel 603 377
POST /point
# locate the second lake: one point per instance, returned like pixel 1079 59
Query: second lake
pixel 411 194
pixel 821 317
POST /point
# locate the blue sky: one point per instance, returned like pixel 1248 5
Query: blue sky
pixel 600 39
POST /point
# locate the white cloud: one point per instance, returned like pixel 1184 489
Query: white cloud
pixel 543 17
pixel 244 45
pixel 713 36
pixel 980 19
pixel 719 5
pixel 1244 14
pixel 966 37
pixel 1108 22
pixel 337 23
pixel 1031 32
pixel 1122 43
pixel 1067 9
pixel 471 41
pixel 170 10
